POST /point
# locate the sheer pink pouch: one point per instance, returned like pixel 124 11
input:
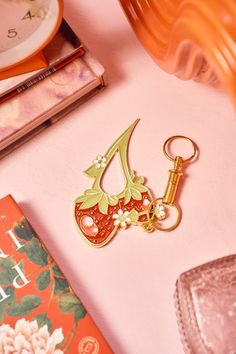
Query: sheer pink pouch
pixel 206 307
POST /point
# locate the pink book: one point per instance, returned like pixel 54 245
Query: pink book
pixel 42 104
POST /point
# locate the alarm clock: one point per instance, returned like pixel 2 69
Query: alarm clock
pixel 27 26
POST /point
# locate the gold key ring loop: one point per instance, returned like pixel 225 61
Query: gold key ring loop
pixel 182 137
pixel 153 224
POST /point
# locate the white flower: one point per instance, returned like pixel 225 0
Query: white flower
pixel 27 338
pixel 100 162
pixel 160 211
pixel 121 219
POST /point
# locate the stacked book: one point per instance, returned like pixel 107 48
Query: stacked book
pixel 32 101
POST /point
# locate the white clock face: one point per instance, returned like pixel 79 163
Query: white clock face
pixel 26 26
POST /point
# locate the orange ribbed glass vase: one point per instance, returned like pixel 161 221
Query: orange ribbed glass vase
pixel 193 39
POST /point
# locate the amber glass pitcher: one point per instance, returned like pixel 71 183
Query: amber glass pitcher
pixel 193 39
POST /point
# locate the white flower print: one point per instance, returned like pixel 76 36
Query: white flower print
pixel 160 211
pixel 100 162
pixel 122 219
pixel 27 338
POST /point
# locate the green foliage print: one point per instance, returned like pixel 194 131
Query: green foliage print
pixel 10 306
pixel 23 307
pixel 50 277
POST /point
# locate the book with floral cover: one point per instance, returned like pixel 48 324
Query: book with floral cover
pixel 39 311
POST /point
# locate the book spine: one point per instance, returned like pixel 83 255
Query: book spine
pixel 35 80
pixel 42 76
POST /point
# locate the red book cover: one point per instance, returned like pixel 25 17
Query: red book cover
pixel 39 311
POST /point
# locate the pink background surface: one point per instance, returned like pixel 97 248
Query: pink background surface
pixel 128 285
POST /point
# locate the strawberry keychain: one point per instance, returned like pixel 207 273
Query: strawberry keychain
pixel 99 215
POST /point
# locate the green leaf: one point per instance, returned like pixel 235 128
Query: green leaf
pixel 135 194
pixel 43 280
pixel 91 200
pixel 10 291
pixel 27 304
pixel 134 216
pixel 92 171
pixel 127 196
pixel 103 204
pixel 70 303
pixel 36 253
pixel 7 274
pixel 10 299
pixel 22 249
pixel 140 187
pixel 57 271
pixel 43 320
pixel 112 200
pixel 6 263
pixel 90 191
pixel 80 313
pixel 6 277
pixel 24 230
pixel 80 199
pixel 61 285
pixel 139 180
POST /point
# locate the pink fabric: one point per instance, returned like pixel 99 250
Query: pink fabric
pixel 128 285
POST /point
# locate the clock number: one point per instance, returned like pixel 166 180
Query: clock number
pixel 42 13
pixel 27 16
pixel 12 33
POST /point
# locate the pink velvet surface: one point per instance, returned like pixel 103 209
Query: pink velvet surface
pixel 128 285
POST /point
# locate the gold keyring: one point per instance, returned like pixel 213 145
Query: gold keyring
pixel 172 138
pixel 151 218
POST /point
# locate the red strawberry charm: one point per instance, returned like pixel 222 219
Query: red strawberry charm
pixel 99 215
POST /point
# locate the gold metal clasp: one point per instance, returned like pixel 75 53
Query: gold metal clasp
pixel 176 173
pixel 173 182
pixel 169 198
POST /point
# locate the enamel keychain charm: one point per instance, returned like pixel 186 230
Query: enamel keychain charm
pixel 99 215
